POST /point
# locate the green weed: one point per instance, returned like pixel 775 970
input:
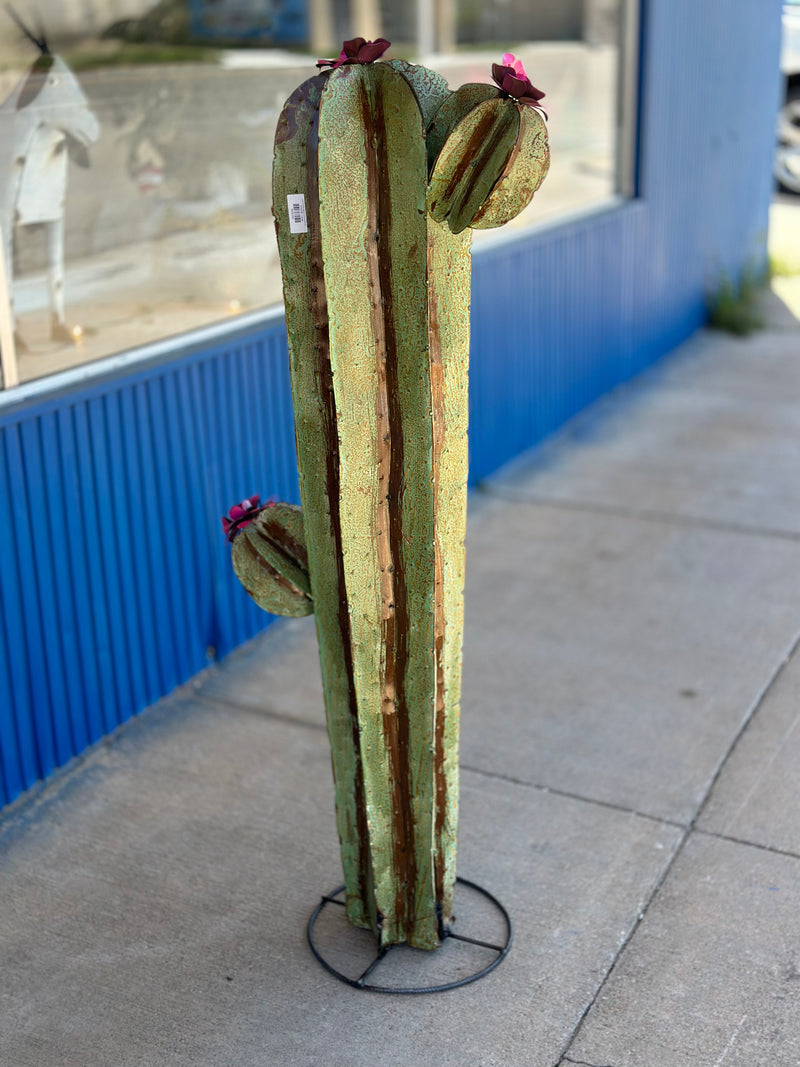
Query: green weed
pixel 780 267
pixel 734 306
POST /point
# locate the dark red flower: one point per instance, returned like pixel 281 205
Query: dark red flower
pixel 511 77
pixel 242 515
pixel 357 51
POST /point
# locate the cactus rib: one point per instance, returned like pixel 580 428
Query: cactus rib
pixel 429 88
pixel 316 432
pixel 374 248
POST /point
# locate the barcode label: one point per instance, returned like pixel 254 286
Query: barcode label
pixel 297 213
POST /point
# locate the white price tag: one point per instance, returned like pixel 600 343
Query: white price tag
pixel 297 213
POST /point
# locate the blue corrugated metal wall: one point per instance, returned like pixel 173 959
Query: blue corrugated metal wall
pixel 115 579
pixel 563 315
pixel 115 576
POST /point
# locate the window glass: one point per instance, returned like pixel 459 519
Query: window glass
pixel 136 147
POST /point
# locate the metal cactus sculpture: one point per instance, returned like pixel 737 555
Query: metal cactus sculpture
pixel 380 173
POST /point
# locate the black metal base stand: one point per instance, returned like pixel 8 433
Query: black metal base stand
pixel 499 950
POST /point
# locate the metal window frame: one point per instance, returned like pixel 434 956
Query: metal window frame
pixel 9 374
pixel 629 93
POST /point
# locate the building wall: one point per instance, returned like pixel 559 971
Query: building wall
pixel 519 20
pixel 115 579
pixel 562 315
pixel 477 22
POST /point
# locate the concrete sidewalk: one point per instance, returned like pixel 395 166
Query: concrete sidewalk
pixel 629 777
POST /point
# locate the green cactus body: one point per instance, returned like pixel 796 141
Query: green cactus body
pixel 428 87
pixel 377 288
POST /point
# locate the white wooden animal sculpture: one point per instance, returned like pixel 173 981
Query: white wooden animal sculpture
pixel 44 122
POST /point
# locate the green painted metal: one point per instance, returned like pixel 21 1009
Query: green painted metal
pixel 524 172
pixel 376 274
pixel 472 161
pixel 296 171
pixel 271 561
pixel 452 110
pixel 428 87
pixel 372 215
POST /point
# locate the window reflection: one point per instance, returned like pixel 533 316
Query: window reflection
pixel 135 166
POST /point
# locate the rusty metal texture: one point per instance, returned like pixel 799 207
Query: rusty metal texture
pixel 271 561
pixel 452 110
pixel 473 159
pixel 429 88
pixel 524 172
pixel 296 172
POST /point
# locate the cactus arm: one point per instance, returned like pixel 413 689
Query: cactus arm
pixel 471 162
pixel 270 589
pixel 296 171
pixel 277 534
pixel 451 111
pixel 270 560
pixel 525 171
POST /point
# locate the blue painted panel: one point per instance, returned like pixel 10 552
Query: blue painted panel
pixel 543 349
pixel 25 593
pixel 115 578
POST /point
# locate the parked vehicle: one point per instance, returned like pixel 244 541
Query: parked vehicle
pixel 787 153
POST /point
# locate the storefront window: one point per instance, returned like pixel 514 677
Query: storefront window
pixel 136 147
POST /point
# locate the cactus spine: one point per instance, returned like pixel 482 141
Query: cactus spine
pixel 377 293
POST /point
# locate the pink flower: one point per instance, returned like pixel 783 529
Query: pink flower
pixel 357 51
pixel 242 515
pixel 510 60
pixel 511 77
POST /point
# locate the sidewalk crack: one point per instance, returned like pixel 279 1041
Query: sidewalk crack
pixel 751 714
pixel 772 849
pixel 644 514
pixel 585 1063
pixel 689 833
pixel 569 795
